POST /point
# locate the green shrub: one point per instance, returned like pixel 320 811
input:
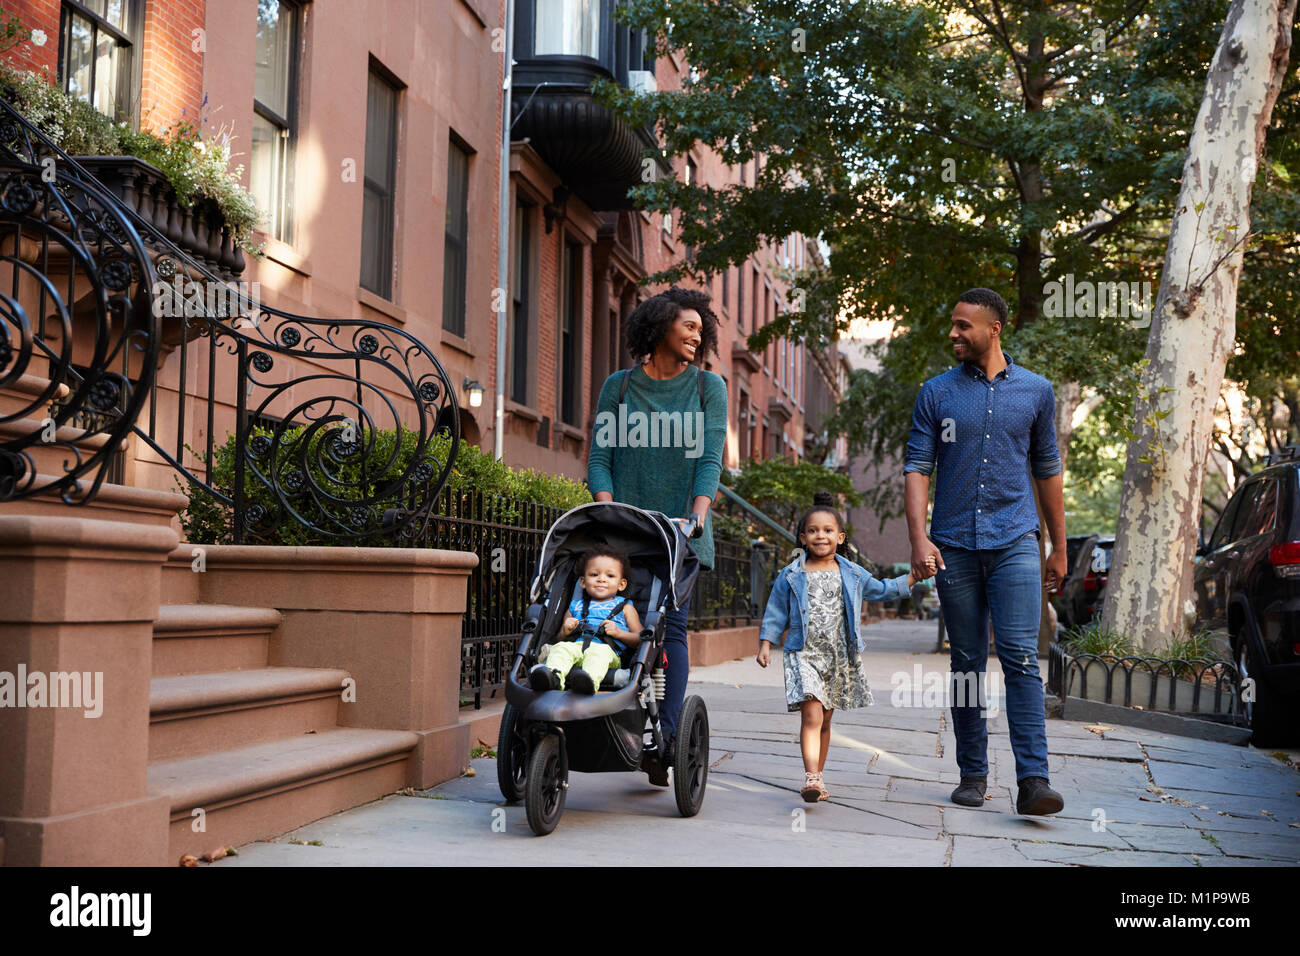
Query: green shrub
pixel 783 490
pixel 197 168
pixel 208 521
pixel 1100 641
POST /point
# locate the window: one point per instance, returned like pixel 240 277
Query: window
pixel 1242 519
pixel 570 321
pixel 740 295
pixel 744 430
pixel 726 288
pixel 690 181
pixel 274 83
pixel 455 260
pixel 96 53
pixel 521 367
pixel 380 186
pixel 1264 511
pixel 1220 536
pixel 567 28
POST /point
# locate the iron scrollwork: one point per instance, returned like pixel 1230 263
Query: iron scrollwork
pixel 343 429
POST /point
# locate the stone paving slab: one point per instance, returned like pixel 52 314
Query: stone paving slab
pixel 1280 783
pixel 980 851
pixel 1280 809
pixel 890 772
pixel 1095 856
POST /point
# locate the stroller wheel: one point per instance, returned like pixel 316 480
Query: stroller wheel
pixel 512 755
pixel 548 777
pixel 691 763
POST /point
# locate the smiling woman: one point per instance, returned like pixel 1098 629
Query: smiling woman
pixel 677 472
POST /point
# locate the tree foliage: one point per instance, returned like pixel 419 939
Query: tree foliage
pixel 938 145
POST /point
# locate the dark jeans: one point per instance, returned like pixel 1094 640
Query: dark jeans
pixel 679 666
pixel 1005 585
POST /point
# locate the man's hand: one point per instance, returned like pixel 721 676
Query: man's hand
pixel 925 556
pixel 1054 575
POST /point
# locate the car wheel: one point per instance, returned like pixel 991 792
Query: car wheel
pixel 1264 713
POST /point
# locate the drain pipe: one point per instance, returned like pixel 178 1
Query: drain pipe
pixel 503 236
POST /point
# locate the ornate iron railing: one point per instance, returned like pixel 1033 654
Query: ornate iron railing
pixel 507 535
pixel 1195 686
pixel 362 419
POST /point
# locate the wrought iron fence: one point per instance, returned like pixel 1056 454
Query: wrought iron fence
pixel 507 535
pixel 734 593
pixel 1198 687
pixel 99 292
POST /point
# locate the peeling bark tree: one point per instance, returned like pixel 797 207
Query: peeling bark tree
pixel 1149 592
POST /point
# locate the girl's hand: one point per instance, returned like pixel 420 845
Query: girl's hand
pixel 764 654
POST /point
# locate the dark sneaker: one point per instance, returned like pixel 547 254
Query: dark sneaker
pixel 579 681
pixel 542 678
pixel 970 792
pixel 1037 799
pixel 655 770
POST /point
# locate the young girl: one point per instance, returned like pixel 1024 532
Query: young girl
pixel 818 597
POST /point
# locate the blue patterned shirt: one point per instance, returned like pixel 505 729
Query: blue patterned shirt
pixel 983 439
pixel 598 613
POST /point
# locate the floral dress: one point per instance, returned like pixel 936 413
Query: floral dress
pixel 823 670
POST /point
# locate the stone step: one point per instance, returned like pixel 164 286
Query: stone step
pixel 196 714
pixel 60 456
pixel 209 638
pixel 261 791
pixel 17 397
pixel 111 503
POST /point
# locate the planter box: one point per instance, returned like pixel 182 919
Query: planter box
pixel 1147 683
pixel 200 230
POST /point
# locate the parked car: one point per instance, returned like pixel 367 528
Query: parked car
pixel 1247 584
pixel 1080 594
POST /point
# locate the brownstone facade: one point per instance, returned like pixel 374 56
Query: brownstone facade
pixel 192 59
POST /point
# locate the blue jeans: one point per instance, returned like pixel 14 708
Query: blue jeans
pixel 1006 585
pixel 679 666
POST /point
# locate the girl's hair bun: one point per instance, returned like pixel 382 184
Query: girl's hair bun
pixel 824 499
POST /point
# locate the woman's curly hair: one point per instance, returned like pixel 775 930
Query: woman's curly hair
pixel 650 321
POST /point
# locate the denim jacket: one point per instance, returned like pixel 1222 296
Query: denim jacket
pixel 787 605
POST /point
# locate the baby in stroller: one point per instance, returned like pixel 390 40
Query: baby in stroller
pixel 607 624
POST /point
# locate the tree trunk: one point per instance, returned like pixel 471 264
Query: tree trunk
pixel 1193 329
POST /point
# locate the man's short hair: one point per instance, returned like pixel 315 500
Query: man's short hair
pixel 989 300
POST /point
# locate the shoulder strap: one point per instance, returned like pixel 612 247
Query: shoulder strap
pixel 622 389
pixel 700 379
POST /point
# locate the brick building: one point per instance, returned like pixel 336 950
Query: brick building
pixel 370 134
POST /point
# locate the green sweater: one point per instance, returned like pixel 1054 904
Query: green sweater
pixel 654 453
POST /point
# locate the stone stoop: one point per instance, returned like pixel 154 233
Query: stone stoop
pixel 243 750
pixel 484 724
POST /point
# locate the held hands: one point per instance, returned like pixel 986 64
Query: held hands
pixel 926 560
pixel 912 577
pixel 764 654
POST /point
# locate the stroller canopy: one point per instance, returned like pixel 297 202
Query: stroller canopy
pixel 637 533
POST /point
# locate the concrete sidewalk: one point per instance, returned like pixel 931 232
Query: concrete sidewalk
pixel 1133 797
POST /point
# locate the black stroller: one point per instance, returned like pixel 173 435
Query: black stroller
pixel 546 734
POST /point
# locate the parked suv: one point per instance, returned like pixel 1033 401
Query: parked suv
pixel 1089 568
pixel 1248 585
